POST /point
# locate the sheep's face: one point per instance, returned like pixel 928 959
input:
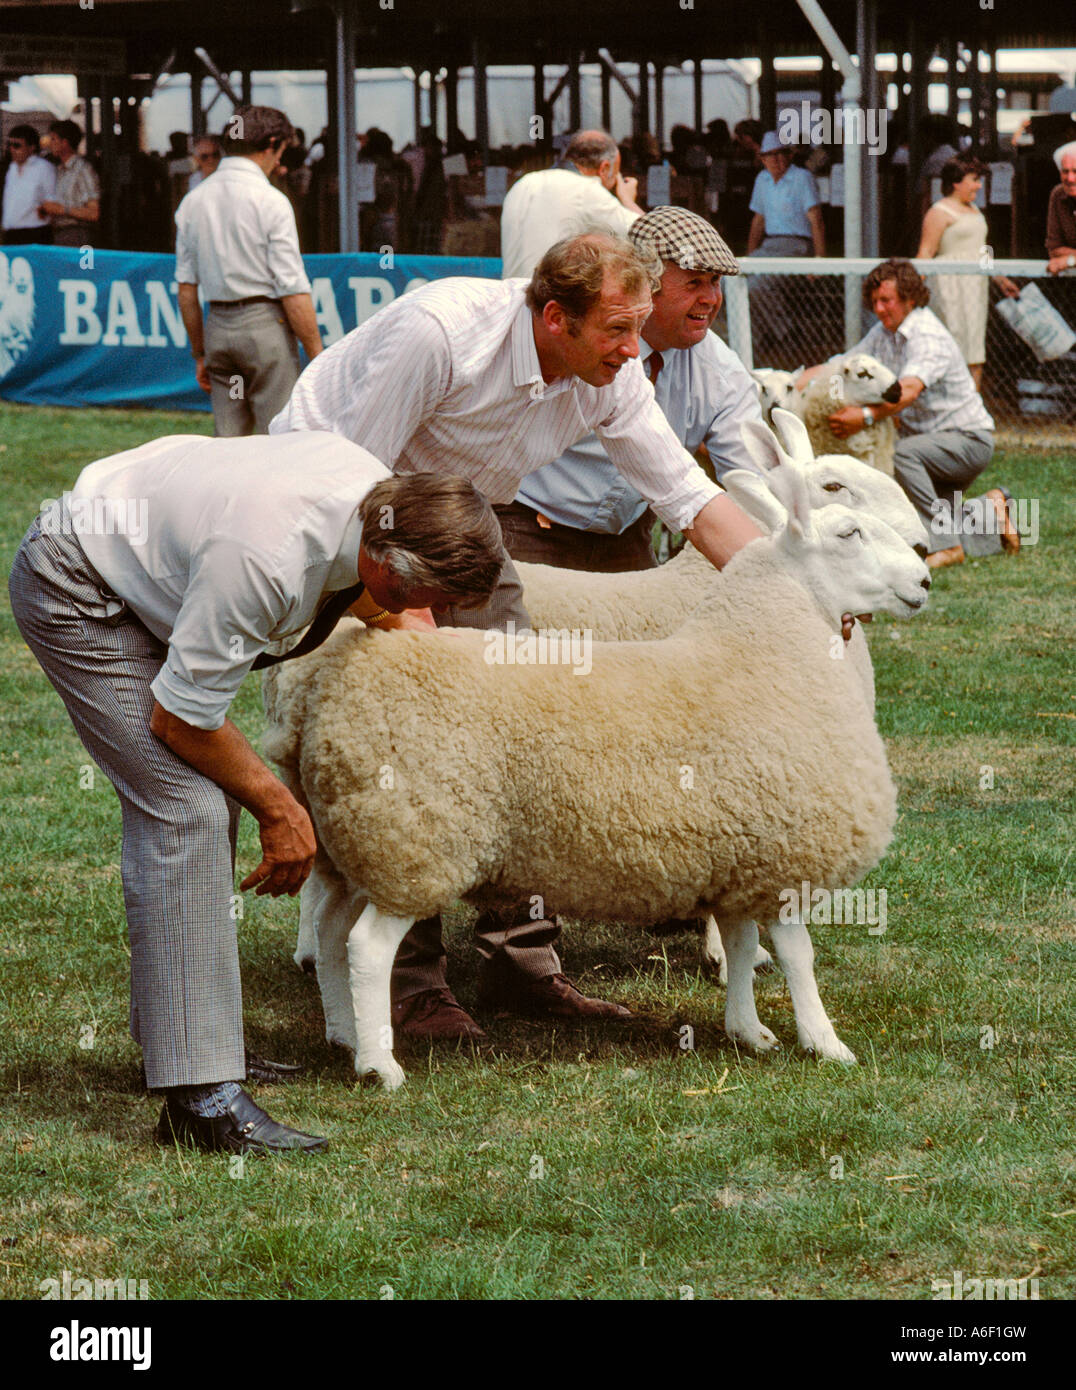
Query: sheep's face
pixel 839 478
pixel 775 389
pixel 863 381
pixel 856 563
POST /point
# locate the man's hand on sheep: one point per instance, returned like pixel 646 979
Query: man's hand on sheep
pixel 226 758
pixel 848 420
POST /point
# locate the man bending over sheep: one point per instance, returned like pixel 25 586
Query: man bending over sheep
pixel 490 380
pixel 147 634
pixel 946 435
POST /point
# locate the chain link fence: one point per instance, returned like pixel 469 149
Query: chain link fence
pixel 792 313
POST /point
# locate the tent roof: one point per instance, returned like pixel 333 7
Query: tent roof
pixel 429 33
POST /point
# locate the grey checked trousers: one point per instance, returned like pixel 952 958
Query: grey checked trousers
pixel 179 828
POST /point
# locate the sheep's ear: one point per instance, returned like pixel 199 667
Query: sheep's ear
pixel 792 433
pixel 752 495
pixel 762 446
pixel 789 486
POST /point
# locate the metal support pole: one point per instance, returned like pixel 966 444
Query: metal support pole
pixel 481 97
pixel 659 103
pixel 767 82
pixel 345 127
pixel 865 40
pixel 607 103
pixel 697 84
pixel 198 121
pixel 992 101
pixel 575 95
pixel 539 104
pixel 452 120
pixel 416 98
pixel 642 106
pixel 245 87
pixel 738 312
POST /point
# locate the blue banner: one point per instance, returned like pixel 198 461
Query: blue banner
pixel 88 327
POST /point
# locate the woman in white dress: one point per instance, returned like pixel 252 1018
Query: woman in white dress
pixel 955 230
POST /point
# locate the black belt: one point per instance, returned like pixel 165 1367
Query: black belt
pixel 241 303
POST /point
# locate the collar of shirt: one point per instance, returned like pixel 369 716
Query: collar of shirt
pixel 526 368
pixel 344 570
pixel 240 164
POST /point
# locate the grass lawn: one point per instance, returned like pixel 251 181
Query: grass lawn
pixel 591 1162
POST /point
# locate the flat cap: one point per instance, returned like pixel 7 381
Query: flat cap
pixel 674 234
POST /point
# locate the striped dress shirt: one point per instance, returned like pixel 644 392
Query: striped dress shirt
pixel 923 347
pixel 446 379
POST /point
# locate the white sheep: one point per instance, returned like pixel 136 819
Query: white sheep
pixel 777 390
pixel 433 774
pixel 857 379
pixel 642 604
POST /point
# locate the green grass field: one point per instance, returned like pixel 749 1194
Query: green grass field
pixel 591 1162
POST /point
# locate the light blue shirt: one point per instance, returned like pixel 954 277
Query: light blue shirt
pixel 706 394
pixel 784 203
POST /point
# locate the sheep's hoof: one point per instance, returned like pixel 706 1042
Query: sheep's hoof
pixel 828 1047
pixel 306 964
pixel 763 959
pixel 757 1038
pixel 341 1040
pixel 389 1073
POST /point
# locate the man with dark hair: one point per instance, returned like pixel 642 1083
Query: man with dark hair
pixel 147 593
pixel 946 435
pixel 29 182
pixel 236 237
pixel 75 208
pixel 490 380
pixel 587 193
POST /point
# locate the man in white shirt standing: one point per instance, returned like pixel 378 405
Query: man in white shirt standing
pixel 147 593
pixel 587 193
pixel 489 380
pixel 30 181
pixel 236 238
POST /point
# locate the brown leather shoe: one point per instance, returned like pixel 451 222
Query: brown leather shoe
pixel 938 559
pixel 435 1013
pixel 553 996
pixel 999 498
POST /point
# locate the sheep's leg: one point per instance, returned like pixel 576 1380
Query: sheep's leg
pixel 371 949
pixel 713 953
pixel 796 955
pixel 310 899
pixel 332 910
pixel 741 1018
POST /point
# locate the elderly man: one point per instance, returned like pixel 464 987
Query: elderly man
pixel 946 434
pixel 207 156
pixel 75 207
pixel 236 237
pixel 578 512
pixel 492 380
pixel 587 193
pixel 787 221
pixel 147 594
pixel 1061 213
pixel 29 182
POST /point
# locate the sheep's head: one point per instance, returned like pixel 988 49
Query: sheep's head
pixel 776 390
pixel 863 381
pixel 851 560
pixel 832 478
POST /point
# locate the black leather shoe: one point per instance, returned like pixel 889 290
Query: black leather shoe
pixel 245 1129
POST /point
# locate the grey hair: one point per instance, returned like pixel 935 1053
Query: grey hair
pixel 588 148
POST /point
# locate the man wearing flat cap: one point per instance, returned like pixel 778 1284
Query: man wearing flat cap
pixel 579 512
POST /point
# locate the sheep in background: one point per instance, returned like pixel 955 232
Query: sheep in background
pixel 777 390
pixel 857 379
pixel 509 779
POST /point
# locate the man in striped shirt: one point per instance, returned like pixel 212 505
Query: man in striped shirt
pixel 490 380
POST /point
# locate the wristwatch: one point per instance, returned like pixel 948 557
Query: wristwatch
pixel 1070 261
pixel 868 415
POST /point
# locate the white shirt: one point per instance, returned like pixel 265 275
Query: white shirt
pixel 923 347
pixel 236 237
pixel 220 546
pixel 542 208
pixel 446 379
pixel 705 392
pixel 25 186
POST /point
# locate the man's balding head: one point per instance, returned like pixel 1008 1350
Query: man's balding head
pixel 595 154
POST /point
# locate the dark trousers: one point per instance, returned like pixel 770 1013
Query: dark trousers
pixel 544 542
pixel 28 236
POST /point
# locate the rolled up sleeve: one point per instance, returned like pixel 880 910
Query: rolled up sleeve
pixel 641 443
pixel 232 605
pixel 282 251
